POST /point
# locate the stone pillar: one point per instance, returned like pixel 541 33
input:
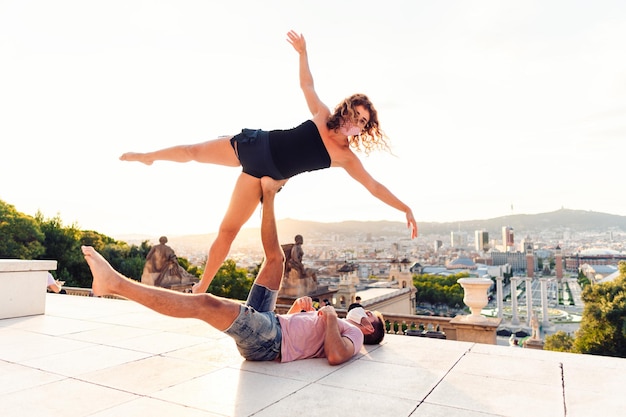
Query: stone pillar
pixel 558 263
pixel 514 318
pixel 545 320
pixel 529 300
pixel 23 287
pixel 499 295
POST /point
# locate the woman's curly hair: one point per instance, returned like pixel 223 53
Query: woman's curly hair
pixel 372 138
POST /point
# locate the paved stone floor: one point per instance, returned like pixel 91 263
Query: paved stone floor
pixel 103 357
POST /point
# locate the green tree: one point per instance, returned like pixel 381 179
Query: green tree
pixel 231 282
pixel 559 342
pixel 603 325
pixel 192 269
pixel 95 239
pixel 20 235
pixel 583 281
pixel 63 245
pixel 439 290
pixel 119 256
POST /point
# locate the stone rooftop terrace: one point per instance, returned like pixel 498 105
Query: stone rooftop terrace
pixel 104 357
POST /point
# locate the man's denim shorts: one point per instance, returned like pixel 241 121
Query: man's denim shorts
pixel 256 330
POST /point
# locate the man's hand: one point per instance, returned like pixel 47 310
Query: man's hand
pixel 301 304
pixel 326 312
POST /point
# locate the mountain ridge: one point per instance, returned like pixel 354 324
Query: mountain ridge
pixel 524 224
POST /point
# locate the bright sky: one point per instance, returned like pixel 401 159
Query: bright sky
pixel 490 105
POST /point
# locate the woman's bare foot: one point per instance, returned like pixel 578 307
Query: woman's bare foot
pixel 103 273
pixel 134 156
pixel 269 185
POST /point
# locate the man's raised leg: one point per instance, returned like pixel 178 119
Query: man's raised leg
pixel 216 311
pixel 271 274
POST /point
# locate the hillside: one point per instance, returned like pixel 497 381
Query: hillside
pixel 560 220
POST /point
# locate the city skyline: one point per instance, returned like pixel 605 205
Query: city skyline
pixel 493 107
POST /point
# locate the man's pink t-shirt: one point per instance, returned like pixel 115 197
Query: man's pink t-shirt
pixel 303 336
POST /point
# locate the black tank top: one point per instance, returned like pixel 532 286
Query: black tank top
pixel 298 150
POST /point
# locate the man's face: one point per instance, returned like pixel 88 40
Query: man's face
pixel 363 319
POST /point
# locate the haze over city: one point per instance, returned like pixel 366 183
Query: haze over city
pixel 492 107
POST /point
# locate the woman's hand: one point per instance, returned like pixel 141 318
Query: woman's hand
pixel 411 223
pixel 297 41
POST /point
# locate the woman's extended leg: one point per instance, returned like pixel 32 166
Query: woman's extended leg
pixel 244 200
pixel 216 311
pixel 217 151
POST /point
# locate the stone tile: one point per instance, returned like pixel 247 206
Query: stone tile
pixel 310 370
pixel 57 326
pixel 419 352
pixel 66 398
pixel 434 410
pixel 15 377
pixel 523 370
pixel 109 334
pixel 158 343
pixel 89 359
pixel 29 346
pixel 592 402
pixel 146 376
pixel 391 380
pixel 497 396
pixel 231 392
pixel 143 407
pixel 586 377
pixel 324 400
pixel 222 352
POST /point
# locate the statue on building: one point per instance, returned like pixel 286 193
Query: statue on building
pixel 534 323
pixel 162 268
pixel 298 280
pixel 293 257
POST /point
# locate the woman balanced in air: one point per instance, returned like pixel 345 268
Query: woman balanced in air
pixel 326 140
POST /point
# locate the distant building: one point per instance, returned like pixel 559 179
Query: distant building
pixel 517 260
pixel 458 239
pixel 593 257
pixel 481 240
pixel 508 239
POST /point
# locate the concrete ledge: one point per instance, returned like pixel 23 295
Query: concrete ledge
pixel 23 287
pixel 478 332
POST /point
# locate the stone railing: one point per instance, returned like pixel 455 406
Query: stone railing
pixel 405 323
pixel 86 292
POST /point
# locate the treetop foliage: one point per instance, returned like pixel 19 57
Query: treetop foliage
pixel 439 290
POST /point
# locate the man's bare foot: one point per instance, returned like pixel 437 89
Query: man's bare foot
pixel 134 156
pixel 269 185
pixel 103 273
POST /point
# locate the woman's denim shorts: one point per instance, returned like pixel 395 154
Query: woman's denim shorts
pixel 256 330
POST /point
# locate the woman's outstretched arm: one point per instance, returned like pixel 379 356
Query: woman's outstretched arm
pixel 306 78
pixel 355 168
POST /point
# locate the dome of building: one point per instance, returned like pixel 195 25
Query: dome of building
pixel 598 252
pixel 461 263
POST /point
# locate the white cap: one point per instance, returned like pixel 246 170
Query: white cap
pixel 356 314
